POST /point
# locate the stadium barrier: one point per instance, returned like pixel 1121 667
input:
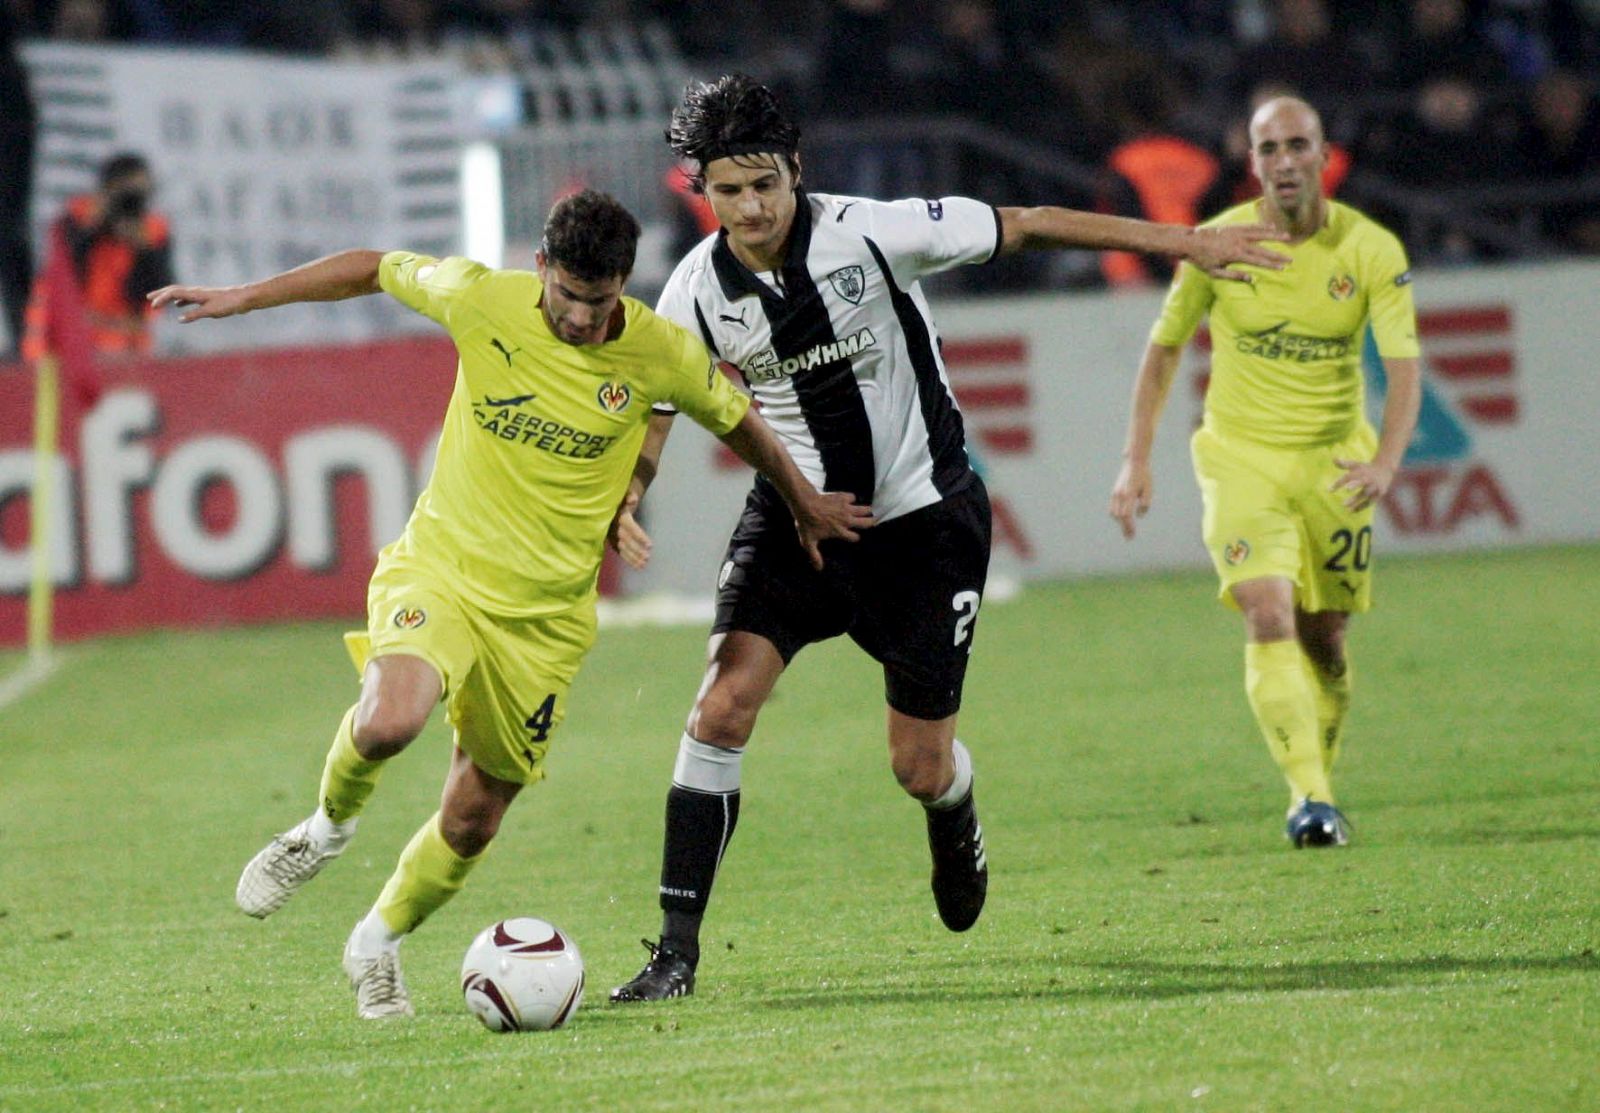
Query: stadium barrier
pixel 255 486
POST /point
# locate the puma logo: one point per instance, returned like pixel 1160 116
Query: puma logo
pixel 503 350
pixel 732 320
pixel 844 208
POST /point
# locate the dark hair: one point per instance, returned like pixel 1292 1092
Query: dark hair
pixel 732 116
pixel 592 236
pixel 123 164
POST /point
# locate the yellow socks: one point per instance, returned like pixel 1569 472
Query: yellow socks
pixel 1285 704
pixel 429 874
pixel 347 777
pixel 1333 700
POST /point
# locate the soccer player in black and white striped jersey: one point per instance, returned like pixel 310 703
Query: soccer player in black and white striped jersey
pixel 814 300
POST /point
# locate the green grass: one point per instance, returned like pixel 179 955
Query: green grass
pixel 1150 941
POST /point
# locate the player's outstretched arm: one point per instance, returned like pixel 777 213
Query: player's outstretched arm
pixel 626 535
pixel 348 274
pixel 818 516
pixel 1219 251
pixel 1134 489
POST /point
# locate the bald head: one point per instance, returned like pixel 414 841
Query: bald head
pixel 1288 154
pixel 1290 113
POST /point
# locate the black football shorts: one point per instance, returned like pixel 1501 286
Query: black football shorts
pixel 908 592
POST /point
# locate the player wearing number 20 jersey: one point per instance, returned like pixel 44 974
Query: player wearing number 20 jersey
pixel 1288 466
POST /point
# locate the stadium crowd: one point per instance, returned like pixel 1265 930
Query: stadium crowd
pixel 1482 115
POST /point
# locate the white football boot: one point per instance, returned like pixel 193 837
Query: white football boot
pixel 276 874
pixel 380 990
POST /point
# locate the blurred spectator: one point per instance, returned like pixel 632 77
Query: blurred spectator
pixel 1303 51
pixel 1449 136
pixel 1450 139
pixel 1562 141
pixel 1563 137
pixel 1154 174
pixel 86 21
pixel 388 29
pixel 856 75
pixel 16 182
pixel 121 249
pixel 1439 40
pixel 1094 75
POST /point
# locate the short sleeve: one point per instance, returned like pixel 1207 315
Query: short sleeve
pixel 428 285
pixel 920 238
pixel 676 304
pixel 1188 299
pixel 700 389
pixel 1391 305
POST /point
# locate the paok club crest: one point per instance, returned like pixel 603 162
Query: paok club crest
pixel 849 283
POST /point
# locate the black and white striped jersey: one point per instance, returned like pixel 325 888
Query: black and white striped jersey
pixel 839 347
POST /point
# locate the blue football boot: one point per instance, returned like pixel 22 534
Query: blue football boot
pixel 1313 823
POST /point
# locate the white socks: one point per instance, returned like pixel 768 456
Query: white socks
pixel 705 768
pixel 372 937
pixel 961 785
pixel 327 834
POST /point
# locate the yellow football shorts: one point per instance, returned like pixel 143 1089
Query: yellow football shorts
pixel 505 679
pixel 1272 512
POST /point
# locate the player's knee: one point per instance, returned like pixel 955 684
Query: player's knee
pixel 724 716
pixel 1269 623
pixel 920 775
pixel 468 832
pixel 382 730
pixel 1326 653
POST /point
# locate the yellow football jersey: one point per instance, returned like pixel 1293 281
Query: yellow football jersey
pixel 1286 348
pixel 540 436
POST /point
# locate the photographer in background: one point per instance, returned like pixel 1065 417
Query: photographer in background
pixel 121 250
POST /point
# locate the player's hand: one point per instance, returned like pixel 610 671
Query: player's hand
pixel 1220 250
pixel 201 301
pixel 627 536
pixel 830 515
pixel 1367 480
pixel 1131 494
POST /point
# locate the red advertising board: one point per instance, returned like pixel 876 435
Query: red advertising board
pixel 223 489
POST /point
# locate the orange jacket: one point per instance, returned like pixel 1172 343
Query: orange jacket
pixel 1169 176
pixel 116 274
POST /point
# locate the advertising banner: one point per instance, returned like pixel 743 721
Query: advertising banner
pixel 224 489
pixel 260 486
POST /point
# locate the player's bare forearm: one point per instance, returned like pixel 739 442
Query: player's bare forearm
pixel 347 274
pixel 1134 489
pixel 649 461
pixel 1401 405
pixel 1215 250
pixel 1368 481
pixel 626 535
pixel 819 516
pixel 1150 387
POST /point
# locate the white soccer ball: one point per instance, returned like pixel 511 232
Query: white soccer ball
pixel 522 975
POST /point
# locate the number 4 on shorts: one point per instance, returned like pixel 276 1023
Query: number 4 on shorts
pixel 539 721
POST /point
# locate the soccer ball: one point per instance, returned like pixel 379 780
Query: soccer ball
pixel 522 975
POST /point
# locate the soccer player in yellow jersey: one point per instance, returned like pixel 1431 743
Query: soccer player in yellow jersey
pixel 487 600
pixel 1289 468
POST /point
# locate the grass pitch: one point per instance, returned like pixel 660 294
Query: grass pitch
pixel 1150 943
